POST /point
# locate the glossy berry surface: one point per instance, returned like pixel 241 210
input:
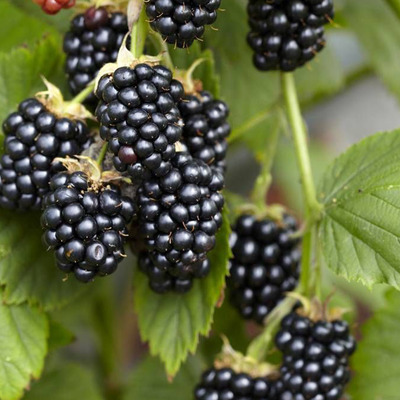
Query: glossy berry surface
pixel 205 128
pixel 54 6
pixel 264 266
pixel 315 358
pixel 285 34
pixel 181 22
pixel 139 117
pixel 33 138
pixel 86 228
pixel 93 40
pixel 179 215
pixel 226 384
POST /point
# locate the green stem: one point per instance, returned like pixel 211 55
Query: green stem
pixel 158 40
pixel 80 97
pixel 395 5
pixel 102 154
pixel 313 208
pixel 259 347
pixel 139 34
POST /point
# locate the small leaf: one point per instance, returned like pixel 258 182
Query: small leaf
pixel 27 271
pixel 23 347
pixel 172 323
pixel 360 232
pixel 376 362
pixel 67 382
pixel 59 335
pixel 148 381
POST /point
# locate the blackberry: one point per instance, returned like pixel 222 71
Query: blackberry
pixel 264 266
pixel 315 357
pixel 139 117
pixel 179 215
pixel 205 127
pixel 86 225
pixel 54 6
pixel 285 34
pixel 180 22
pixel 226 384
pixel 34 137
pixel 93 40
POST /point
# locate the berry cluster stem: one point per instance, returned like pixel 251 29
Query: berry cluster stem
pixel 80 97
pixel 139 34
pixel 102 154
pixel 312 207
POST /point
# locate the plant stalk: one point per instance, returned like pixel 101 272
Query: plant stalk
pixel 102 154
pixel 139 34
pixel 80 97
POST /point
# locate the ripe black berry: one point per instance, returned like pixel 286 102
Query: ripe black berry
pixel 265 264
pixel 34 137
pixel 180 22
pixel 85 226
pixel 179 216
pixel 205 127
pixel 93 40
pixel 139 118
pixel 315 357
pixel 226 384
pixel 285 34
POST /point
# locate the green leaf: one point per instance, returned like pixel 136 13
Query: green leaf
pixel 148 381
pixel 27 271
pixel 361 193
pixel 20 28
pixel 21 71
pixel 378 31
pixel 59 335
pixel 68 382
pixel 376 362
pixel 172 323
pixel 23 347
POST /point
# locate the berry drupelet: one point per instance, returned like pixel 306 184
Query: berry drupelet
pixel 93 40
pixel 86 225
pixel 205 127
pixel 264 266
pixel 180 215
pixel 34 136
pixel 225 384
pixel 54 6
pixel 180 22
pixel 285 34
pixel 315 357
pixel 139 117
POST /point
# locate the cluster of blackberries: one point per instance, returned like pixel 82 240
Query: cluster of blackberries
pixel 225 384
pixel 285 34
pixel 315 366
pixel 93 40
pixel 139 117
pixel 180 22
pixel 205 127
pixel 54 6
pixel 315 358
pixel 86 225
pixel 179 215
pixel 265 264
pixel 34 138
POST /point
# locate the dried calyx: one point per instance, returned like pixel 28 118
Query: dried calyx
pixel 54 102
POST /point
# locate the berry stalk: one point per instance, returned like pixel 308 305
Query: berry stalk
pixel 312 206
pixel 138 35
pixel 81 97
pixel 102 154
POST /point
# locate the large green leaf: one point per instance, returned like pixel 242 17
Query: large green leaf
pixel 20 28
pixel 59 335
pixel 21 71
pixel 68 382
pixel 23 347
pixel 378 31
pixel 360 229
pixel 148 381
pixel 27 271
pixel 172 323
pixel 376 362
